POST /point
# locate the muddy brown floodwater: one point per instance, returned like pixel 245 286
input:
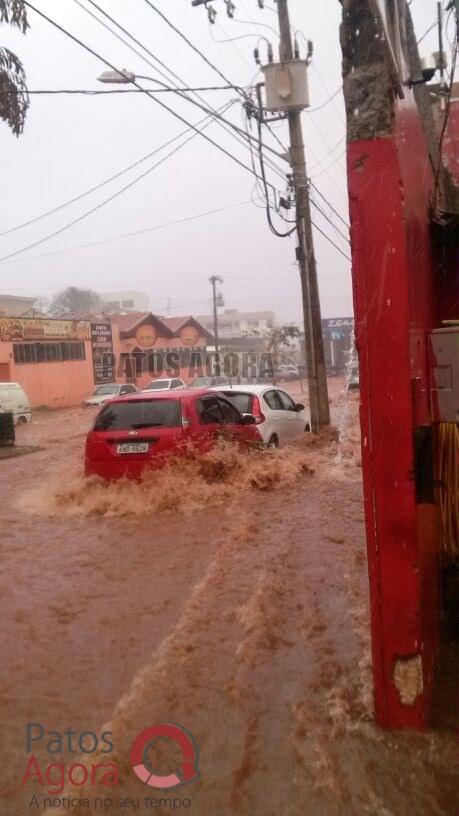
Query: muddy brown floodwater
pixel 229 596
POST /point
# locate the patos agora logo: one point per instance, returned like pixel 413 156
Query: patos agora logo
pixel 144 745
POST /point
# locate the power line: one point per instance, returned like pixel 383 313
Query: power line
pixel 185 38
pixel 265 186
pixel 344 237
pixel 146 230
pixel 134 82
pixel 224 123
pixel 147 93
pixel 106 201
pixel 96 92
pixel 132 234
pixel 108 180
pixel 343 220
pixel 330 98
pixel 330 152
pixel 331 241
pixel 326 169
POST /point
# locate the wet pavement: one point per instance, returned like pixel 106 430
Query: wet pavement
pixel 237 607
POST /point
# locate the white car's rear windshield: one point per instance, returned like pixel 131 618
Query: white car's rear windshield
pixel 103 390
pixel 138 414
pixel 158 385
pixel 243 402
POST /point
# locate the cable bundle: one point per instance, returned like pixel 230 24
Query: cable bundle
pixel 447 485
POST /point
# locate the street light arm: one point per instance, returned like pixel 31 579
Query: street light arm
pixel 125 77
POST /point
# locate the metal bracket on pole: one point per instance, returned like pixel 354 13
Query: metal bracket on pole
pixel 265 120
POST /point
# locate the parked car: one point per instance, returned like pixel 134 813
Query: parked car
pixel 279 419
pixel 108 391
pixel 14 399
pixel 165 384
pixel 208 382
pixel 143 430
pixel 286 372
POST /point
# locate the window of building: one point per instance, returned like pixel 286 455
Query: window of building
pixel 127 304
pixel 25 353
pixel 48 352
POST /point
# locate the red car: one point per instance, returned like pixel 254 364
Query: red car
pixel 140 431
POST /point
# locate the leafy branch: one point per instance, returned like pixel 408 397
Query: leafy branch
pixel 14 99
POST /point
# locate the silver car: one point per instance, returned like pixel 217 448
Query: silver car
pixel 165 384
pixel 106 392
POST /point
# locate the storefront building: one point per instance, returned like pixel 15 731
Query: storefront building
pixel 59 361
pixel 147 346
pixel 51 359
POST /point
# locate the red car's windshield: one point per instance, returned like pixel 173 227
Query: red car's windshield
pixel 121 416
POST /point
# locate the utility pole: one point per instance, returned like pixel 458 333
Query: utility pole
pixel 317 378
pixel 213 281
pixel 315 358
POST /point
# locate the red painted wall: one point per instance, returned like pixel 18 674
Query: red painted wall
pixel 394 270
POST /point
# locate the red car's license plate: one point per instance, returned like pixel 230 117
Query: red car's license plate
pixel 133 447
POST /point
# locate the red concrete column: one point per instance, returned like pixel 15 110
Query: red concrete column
pixel 401 551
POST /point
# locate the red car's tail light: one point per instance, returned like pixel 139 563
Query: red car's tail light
pixel 257 412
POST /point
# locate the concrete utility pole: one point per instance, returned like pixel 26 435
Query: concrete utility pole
pixel 317 378
pixel 213 281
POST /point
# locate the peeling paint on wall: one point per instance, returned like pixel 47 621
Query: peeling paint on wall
pixel 408 679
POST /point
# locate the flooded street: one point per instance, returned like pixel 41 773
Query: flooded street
pixel 231 599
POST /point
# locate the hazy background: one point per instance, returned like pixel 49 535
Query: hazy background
pixel 71 143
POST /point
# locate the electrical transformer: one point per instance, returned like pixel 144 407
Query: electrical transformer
pixel 444 377
pixel 286 85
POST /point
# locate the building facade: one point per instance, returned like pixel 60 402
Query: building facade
pixel 59 361
pixel 16 306
pixel 232 323
pixel 125 301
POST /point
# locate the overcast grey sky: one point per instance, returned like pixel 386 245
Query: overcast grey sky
pixel 71 143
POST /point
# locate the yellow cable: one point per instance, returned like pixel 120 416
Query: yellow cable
pixel 447 484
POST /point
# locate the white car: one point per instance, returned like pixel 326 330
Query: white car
pixel 280 420
pixel 165 384
pixel 13 398
pixel 104 393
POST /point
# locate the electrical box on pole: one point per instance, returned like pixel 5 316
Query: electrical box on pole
pixel 444 368
pixel 286 85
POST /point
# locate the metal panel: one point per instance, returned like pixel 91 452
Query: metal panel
pixel 444 387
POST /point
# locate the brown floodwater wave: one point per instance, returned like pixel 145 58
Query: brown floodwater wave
pixel 183 486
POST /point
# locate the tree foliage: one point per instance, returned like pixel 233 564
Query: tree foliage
pixel 74 301
pixel 282 336
pixel 14 99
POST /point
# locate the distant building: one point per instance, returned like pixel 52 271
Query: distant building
pixel 125 301
pixel 58 361
pixel 16 306
pixel 338 334
pixel 233 324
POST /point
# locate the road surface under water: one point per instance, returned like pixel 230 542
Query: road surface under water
pixel 230 597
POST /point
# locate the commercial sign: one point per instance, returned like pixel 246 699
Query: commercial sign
pixel 25 328
pixel 103 360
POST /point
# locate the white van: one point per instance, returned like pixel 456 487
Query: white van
pixel 14 398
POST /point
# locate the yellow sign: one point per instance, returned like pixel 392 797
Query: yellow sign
pixel 24 328
pixel 146 336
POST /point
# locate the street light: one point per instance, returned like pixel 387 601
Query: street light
pixel 114 77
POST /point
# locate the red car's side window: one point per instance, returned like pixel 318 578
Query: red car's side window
pixel 208 411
